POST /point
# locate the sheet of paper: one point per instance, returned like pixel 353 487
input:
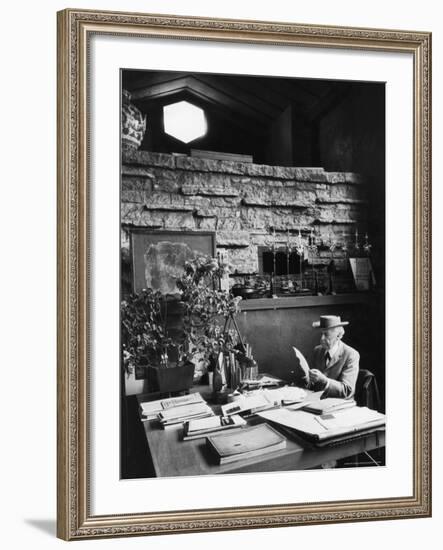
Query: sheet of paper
pixel 300 362
pixel 287 393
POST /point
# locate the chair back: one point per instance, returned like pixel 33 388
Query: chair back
pixel 366 390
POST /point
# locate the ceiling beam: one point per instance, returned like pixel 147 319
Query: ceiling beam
pixel 202 90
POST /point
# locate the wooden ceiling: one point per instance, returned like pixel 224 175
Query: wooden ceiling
pixel 244 100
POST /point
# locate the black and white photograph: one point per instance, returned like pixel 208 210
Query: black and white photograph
pixel 224 236
pixel 252 274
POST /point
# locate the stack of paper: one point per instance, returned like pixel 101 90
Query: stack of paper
pixel 246 443
pixel 285 395
pixel 327 426
pixel 263 381
pixel 150 409
pixel 248 404
pixel 260 400
pixel 183 413
pixel 194 429
pixel 330 404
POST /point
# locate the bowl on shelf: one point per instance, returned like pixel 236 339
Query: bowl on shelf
pixel 244 292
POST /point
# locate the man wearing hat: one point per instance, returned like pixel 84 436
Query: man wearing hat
pixel 335 364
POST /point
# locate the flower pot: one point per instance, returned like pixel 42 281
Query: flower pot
pixel 171 379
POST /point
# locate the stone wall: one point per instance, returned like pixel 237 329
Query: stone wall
pixel 240 202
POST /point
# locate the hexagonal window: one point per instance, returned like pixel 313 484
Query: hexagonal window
pixel 184 121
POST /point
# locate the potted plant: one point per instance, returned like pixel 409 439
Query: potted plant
pixel 146 342
pixel 205 309
pixel 146 327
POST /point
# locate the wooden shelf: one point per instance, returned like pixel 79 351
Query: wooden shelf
pixel 288 302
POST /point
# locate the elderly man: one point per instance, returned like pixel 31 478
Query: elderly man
pixel 335 365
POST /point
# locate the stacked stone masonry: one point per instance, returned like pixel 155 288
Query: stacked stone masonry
pixel 241 202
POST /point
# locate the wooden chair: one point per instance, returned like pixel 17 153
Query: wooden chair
pixel 366 390
pixel 366 395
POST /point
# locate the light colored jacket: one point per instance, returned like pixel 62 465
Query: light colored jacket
pixel 342 370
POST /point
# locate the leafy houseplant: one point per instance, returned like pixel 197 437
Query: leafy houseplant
pixel 146 341
pixel 146 331
pixel 205 307
pixel 143 329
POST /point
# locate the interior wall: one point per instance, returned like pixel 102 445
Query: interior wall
pixel 280 142
pixel 225 133
pixel 304 140
pixel 273 332
pixel 241 202
pixel 352 138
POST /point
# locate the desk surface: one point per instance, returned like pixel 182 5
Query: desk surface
pixel 174 457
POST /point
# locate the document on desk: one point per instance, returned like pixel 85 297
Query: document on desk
pixel 351 418
pixel 248 404
pixel 329 405
pixel 321 427
pixel 294 419
pixel 178 415
pixel 285 395
pixel 150 409
pixel 194 429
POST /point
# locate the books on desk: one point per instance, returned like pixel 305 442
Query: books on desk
pixel 245 443
pixel 150 409
pixel 200 428
pixel 323 429
pixel 183 413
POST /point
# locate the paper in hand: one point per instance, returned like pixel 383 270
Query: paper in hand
pixel 301 367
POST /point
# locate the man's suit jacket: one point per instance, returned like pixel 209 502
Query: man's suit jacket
pixel 342 370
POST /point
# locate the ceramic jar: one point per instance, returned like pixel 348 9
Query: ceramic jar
pixel 133 123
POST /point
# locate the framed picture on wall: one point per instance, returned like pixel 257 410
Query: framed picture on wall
pixel 158 257
pixel 264 146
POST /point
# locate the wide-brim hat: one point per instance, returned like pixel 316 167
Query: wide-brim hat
pixel 329 321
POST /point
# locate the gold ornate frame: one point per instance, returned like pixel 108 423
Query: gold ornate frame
pixel 74 30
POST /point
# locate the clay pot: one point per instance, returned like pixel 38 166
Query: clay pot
pixel 171 379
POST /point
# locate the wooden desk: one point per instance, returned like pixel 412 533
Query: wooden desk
pixel 172 456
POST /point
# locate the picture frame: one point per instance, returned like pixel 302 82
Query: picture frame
pixel 77 214
pixel 202 242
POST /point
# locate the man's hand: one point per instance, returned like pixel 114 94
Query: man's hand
pixel 316 377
